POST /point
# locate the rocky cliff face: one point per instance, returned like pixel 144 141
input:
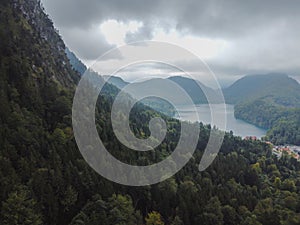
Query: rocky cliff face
pixel 33 12
pixel 49 48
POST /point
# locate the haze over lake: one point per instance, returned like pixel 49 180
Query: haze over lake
pixel 239 127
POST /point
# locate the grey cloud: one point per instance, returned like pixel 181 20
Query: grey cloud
pixel 214 17
pixel 81 13
pixel 264 34
pixel 143 33
pixel 88 45
pixel 234 17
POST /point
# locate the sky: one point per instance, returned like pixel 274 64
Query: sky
pixel 233 37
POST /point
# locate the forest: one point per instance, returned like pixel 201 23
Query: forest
pixel 45 180
pixel 282 123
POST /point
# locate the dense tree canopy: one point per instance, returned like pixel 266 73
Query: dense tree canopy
pixel 283 123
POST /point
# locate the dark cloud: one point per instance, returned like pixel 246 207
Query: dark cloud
pixel 264 35
pixel 232 18
pixel 143 33
pixel 80 13
pixel 214 17
pixel 88 45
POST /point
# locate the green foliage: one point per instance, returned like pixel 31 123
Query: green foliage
pixel 154 218
pixel 177 221
pixel 69 198
pixel 212 213
pixel 45 180
pixel 283 123
pixel 251 220
pixel 269 101
pixel 21 209
pixel 117 210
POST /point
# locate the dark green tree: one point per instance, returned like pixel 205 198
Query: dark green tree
pixel 21 209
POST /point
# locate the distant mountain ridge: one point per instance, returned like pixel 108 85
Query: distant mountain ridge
pixel 159 86
pixel 115 80
pixel 269 101
pixel 190 86
pixel 196 89
pixel 279 88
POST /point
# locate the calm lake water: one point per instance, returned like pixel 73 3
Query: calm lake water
pixel 239 127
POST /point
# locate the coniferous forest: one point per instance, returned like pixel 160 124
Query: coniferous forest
pixel 45 180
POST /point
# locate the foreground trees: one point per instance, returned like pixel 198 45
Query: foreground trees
pixel 20 208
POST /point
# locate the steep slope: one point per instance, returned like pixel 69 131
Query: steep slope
pixel 75 62
pixel 43 178
pixel 36 85
pixel 34 66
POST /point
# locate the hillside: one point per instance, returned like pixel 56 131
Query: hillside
pixel 160 87
pixel 269 101
pixel 282 122
pixel 75 62
pixel 116 81
pixel 192 88
pixel 45 181
pixel 277 88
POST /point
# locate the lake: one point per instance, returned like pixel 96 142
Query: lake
pixel 239 127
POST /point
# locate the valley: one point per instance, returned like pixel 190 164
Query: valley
pixel 269 101
pixel 45 180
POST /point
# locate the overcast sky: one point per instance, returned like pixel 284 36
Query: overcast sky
pixel 234 37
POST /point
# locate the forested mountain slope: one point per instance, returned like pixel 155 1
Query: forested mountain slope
pixel 195 89
pixel 75 62
pixel 270 101
pixel 276 88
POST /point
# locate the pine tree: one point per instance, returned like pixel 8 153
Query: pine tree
pixel 20 208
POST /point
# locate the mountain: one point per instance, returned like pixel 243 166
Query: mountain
pixel 159 85
pixel 282 123
pixel 75 62
pixel 270 101
pixel 43 177
pixel 192 88
pixel 162 87
pixel 45 180
pixel 116 81
pixel 278 88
